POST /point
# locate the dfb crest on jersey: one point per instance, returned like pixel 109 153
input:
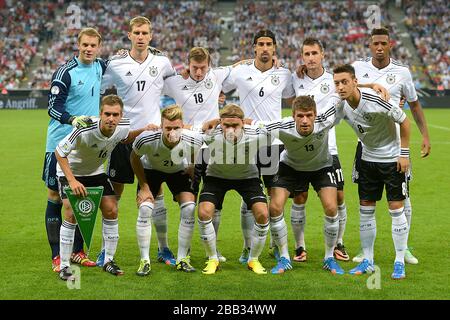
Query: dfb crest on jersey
pixel 208 84
pixel 320 135
pixel 153 71
pixel 367 116
pixel 324 88
pixel 390 78
pixel 275 80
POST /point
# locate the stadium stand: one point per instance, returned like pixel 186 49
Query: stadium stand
pixel 429 27
pixel 40 29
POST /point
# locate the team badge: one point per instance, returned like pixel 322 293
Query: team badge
pixel 54 90
pixel 66 147
pixel 320 135
pixel 112 173
pixel 275 80
pixel 153 71
pixel 396 112
pixel 390 79
pixel 324 88
pixel 367 116
pixel 208 84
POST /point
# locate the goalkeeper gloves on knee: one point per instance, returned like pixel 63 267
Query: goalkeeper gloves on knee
pixel 81 121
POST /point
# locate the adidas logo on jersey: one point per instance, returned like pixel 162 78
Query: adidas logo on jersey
pixel 185 88
pixel 80 83
pixel 94 146
pixel 365 76
pixel 301 87
pixel 249 79
pixel 128 74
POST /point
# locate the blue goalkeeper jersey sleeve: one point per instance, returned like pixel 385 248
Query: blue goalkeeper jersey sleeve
pixel 75 91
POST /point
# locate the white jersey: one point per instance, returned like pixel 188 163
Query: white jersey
pixel 395 77
pixel 260 93
pixel 320 89
pixel 235 160
pixel 373 121
pixel 87 149
pixel 139 85
pixel 305 153
pixel 160 157
pixel 198 99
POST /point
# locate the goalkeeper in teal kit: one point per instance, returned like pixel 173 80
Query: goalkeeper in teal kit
pixel 74 96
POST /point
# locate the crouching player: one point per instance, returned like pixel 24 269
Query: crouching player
pixel 80 157
pixel 306 159
pixel 169 153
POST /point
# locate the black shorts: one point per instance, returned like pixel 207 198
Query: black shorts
pixel 214 190
pixel 338 172
pixel 119 166
pixel 177 182
pixel 49 171
pixel 297 182
pixel 374 176
pixel 99 180
pixel 357 162
pixel 267 161
pixel 200 169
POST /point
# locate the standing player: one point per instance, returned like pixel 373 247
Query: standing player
pixel 80 156
pixel 198 97
pixel 318 83
pixel 139 76
pixel 75 91
pixel 396 78
pixel 306 159
pixel 384 162
pixel 262 87
pixel 168 153
pixel 232 165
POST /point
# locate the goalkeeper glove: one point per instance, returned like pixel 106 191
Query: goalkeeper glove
pixel 81 121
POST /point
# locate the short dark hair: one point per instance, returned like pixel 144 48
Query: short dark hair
pixel 310 41
pixel 264 33
pixel 304 103
pixel 345 68
pixel 379 31
pixel 111 100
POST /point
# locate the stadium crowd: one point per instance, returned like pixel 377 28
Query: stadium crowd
pixel 178 26
pixel 342 30
pixel 429 27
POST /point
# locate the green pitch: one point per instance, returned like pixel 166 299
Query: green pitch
pixel 25 254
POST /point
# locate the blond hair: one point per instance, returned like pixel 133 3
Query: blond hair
pixel 304 103
pixel 232 110
pixel 199 54
pixel 172 113
pixel 90 32
pixel 111 100
pixel 139 21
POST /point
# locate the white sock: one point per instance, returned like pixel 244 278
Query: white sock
pixel 144 229
pixel 367 230
pixel 278 230
pixel 342 213
pixel 247 223
pixel 258 240
pixel 216 221
pixel 110 230
pixel 208 238
pixel 298 221
pixel 400 231
pixel 159 219
pixel 66 236
pixel 330 230
pixel 408 211
pixel 185 229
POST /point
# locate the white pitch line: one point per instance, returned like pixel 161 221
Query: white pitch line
pixel 439 127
